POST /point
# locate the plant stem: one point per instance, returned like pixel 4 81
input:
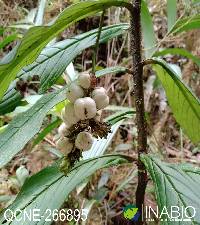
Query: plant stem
pixel 139 102
pixel 97 43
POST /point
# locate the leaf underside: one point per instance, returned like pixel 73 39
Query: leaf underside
pixel 175 185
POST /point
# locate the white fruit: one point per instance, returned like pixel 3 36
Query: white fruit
pixel 74 92
pixel 85 108
pixel 68 115
pixel 63 130
pixel 100 97
pixel 64 145
pixel 84 141
pixel 99 90
pixel 84 80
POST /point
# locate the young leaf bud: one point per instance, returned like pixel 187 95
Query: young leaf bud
pixel 84 141
pixel 64 145
pixel 63 130
pixel 85 108
pixel 74 92
pixel 68 115
pixel 84 80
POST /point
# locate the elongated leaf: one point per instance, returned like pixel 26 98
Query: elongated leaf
pixel 37 37
pixel 46 131
pixel 189 23
pixel 175 185
pixel 11 99
pixel 8 40
pixel 179 51
pixel 24 126
pixel 121 115
pixel 147 31
pixel 114 69
pixel 37 191
pixel 171 13
pixel 184 104
pixel 54 59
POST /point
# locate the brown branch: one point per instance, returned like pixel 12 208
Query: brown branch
pixel 135 30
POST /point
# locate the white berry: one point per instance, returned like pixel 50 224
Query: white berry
pixel 63 130
pixel 99 90
pixel 64 145
pixel 100 97
pixel 84 141
pixel 68 115
pixel 102 101
pixel 84 80
pixel 74 92
pixel 85 108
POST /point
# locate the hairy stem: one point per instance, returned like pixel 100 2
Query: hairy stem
pixel 139 102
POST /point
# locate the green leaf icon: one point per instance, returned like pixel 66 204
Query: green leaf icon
pixel 129 213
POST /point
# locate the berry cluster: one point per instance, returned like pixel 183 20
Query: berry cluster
pixel 81 117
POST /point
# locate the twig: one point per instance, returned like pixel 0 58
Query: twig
pixel 97 43
pixel 139 102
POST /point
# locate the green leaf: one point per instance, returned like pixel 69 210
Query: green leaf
pixel 184 104
pixel 54 59
pixel 24 126
pixel 38 190
pixel 109 70
pixel 147 31
pixel 175 185
pixel 46 131
pixel 178 51
pixel 38 37
pixel 171 13
pixel 185 24
pixel 196 2
pixel 121 115
pixel 7 40
pixel 10 100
